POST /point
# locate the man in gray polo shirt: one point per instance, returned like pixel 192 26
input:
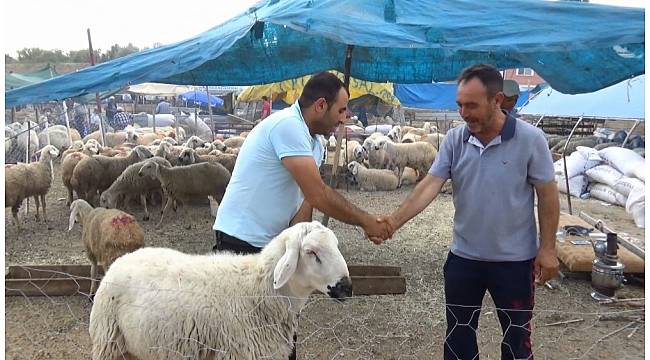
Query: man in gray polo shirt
pixel 496 163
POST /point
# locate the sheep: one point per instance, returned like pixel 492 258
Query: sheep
pixel 112 139
pixel 433 139
pixel 410 138
pixel 98 172
pixel 205 150
pixel 395 134
pixel 25 180
pixel 374 153
pixel 158 303
pixel 234 142
pixel 25 136
pixel 194 142
pixel 353 151
pixel 418 155
pixel 106 235
pixel 373 179
pixel 182 183
pixel 219 145
pixel 409 177
pixel 58 136
pixel 130 183
pixel 71 160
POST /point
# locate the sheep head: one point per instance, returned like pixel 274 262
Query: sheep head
pixel 78 210
pixel 48 152
pixel 353 168
pixel 187 157
pixel 312 261
pixel 142 152
pixel 150 168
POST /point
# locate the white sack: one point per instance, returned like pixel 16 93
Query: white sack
pixel 578 162
pixel 624 160
pixel 624 185
pixel 604 174
pixel 607 194
pixel 635 205
pixel 577 185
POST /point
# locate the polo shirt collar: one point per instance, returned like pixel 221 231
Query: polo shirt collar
pixel 507 132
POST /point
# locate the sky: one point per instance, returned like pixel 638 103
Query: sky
pixel 62 24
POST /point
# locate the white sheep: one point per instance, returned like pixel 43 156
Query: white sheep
pixel 234 142
pixel 25 180
pixel 373 179
pixel 374 153
pixel 395 134
pixel 181 184
pixel 418 156
pixel 106 235
pixel 161 304
pixel 433 139
pixel 130 184
pixel 58 137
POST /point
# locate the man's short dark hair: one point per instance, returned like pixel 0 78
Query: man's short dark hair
pixel 487 74
pixel 322 85
pixel 264 98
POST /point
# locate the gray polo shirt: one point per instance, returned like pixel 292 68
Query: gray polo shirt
pixel 493 190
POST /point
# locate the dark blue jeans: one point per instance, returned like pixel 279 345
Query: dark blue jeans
pixel 512 287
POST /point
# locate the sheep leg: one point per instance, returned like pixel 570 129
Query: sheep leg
pixel 143 200
pixel 70 196
pixel 36 201
pixel 93 276
pixel 14 212
pixel 400 172
pixel 164 211
pixel 43 205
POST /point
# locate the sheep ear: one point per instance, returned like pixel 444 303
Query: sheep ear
pixel 286 266
pixel 73 216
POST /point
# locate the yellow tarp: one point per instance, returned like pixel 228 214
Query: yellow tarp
pixel 289 90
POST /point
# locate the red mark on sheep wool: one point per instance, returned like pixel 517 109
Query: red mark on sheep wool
pixel 122 220
pixel 76 156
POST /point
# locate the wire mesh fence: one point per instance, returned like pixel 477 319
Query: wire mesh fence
pixel 372 327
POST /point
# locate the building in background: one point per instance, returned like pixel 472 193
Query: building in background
pixel 526 77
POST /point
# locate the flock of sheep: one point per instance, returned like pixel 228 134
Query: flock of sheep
pixel 386 162
pixel 144 166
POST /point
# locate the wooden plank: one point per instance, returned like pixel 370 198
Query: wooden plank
pixel 47 287
pixel 49 271
pixel 378 285
pixel 374 270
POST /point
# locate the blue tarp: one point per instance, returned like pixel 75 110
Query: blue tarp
pixel 623 100
pixel 439 96
pixel 200 98
pixel 577 47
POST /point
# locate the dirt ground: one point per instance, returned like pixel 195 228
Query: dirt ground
pixel 567 323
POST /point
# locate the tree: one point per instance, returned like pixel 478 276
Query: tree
pixel 37 55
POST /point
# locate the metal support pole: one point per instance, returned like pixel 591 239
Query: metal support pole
pixel 207 92
pixel 566 172
pixel 154 121
pixel 636 123
pixel 539 121
pixel 339 134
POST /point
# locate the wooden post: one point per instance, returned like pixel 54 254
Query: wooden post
pixel 97 100
pixel 207 92
pixel 13 114
pixel 339 135
pixel 67 122
pixel 154 121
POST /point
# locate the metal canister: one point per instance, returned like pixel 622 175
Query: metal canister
pixel 606 271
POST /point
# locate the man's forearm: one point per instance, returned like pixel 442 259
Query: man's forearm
pixel 548 213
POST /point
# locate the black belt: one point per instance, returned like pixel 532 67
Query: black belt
pixel 231 243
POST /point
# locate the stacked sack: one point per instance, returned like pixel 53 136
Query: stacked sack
pixel 615 175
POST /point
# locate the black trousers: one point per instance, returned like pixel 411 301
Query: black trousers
pixel 512 287
pixel 231 243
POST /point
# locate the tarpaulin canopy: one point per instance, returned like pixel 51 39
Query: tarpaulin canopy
pixel 623 100
pixel 289 90
pixel 438 96
pixel 16 80
pixel 577 47
pixel 200 98
pixel 159 89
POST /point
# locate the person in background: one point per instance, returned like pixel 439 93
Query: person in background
pixel 121 119
pixel 111 108
pixel 511 95
pixel 266 108
pixel 95 119
pixel 79 117
pixel 497 164
pixel 163 107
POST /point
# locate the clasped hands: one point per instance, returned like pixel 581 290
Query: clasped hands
pixel 379 228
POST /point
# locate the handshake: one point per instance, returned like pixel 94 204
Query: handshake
pixel 379 229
